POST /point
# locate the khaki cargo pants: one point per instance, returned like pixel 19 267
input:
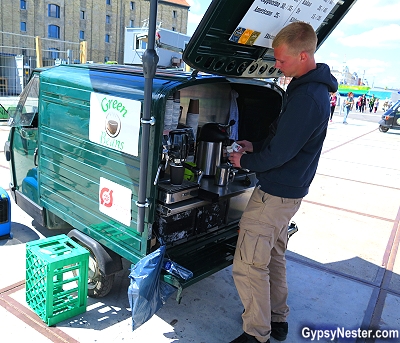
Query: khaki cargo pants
pixel 259 265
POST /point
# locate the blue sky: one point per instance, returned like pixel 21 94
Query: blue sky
pixel 367 40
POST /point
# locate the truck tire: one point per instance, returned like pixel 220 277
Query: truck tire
pixel 103 264
pixel 99 285
pixel 383 128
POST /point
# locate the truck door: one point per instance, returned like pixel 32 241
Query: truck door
pixel 23 141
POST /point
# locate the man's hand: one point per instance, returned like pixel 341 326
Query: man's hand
pixel 234 158
pixel 246 146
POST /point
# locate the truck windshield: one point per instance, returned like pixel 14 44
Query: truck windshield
pixel 396 105
pixel 27 108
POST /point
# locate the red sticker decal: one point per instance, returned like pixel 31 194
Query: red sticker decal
pixel 106 197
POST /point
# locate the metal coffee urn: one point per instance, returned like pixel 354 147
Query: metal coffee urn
pixel 212 138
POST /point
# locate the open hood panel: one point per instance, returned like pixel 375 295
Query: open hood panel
pixel 234 37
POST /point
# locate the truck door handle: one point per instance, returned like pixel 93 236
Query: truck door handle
pixel 35 154
pixel 23 134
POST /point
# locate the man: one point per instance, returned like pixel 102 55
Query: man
pixel 371 103
pixel 285 164
pixel 348 105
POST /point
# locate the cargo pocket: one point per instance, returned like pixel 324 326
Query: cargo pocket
pixel 254 248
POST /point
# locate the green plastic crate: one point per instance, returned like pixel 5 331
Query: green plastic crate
pixel 56 278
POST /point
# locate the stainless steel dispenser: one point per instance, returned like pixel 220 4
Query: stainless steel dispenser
pixel 212 138
pixel 208 156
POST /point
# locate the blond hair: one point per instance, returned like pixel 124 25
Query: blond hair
pixel 298 36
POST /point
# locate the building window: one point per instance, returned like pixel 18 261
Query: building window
pixel 82 14
pixel 22 4
pixel 174 14
pixel 54 31
pixel 132 5
pixel 108 2
pixel 131 23
pixel 54 11
pixel 54 53
pixel 140 43
pixel 23 26
pixel 82 35
pixel 108 19
pixel 107 39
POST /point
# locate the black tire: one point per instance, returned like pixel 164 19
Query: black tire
pixel 99 285
pixel 383 128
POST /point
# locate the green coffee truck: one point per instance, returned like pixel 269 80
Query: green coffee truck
pixel 127 158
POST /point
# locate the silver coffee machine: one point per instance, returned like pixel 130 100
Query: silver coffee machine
pixel 213 138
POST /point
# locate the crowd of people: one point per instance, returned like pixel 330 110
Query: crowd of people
pixel 360 104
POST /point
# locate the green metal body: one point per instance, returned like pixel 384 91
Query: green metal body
pixel 70 165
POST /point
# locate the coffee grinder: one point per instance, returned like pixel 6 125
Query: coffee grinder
pixel 181 146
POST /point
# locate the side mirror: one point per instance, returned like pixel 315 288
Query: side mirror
pixel 7 151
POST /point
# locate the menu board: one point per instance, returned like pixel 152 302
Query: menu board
pixel 266 18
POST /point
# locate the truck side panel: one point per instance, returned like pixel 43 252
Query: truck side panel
pixel 72 167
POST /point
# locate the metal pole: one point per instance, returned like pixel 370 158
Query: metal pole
pixel 69 56
pixel 150 60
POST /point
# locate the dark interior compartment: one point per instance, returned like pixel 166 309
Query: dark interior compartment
pixel 259 104
pixel 211 216
pixel 258 108
pixel 184 225
pixel 176 227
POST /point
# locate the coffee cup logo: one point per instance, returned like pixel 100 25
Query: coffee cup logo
pixel 112 125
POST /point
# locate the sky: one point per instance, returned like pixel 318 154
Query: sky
pixel 367 41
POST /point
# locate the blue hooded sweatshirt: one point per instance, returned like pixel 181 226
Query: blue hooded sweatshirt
pixel 286 161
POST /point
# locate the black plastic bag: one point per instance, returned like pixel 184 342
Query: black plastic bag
pixel 146 292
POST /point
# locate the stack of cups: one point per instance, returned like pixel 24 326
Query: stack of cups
pixel 169 111
pixel 176 110
pixel 192 117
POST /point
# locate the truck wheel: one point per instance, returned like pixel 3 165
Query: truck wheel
pixel 99 285
pixel 383 128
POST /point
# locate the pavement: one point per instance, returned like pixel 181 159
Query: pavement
pixel 343 265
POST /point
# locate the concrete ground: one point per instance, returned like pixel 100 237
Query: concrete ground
pixel 343 270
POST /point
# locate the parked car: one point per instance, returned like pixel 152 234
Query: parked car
pixel 391 118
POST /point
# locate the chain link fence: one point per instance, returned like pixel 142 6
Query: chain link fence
pixel 20 54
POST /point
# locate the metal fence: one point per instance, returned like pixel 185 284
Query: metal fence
pixel 20 54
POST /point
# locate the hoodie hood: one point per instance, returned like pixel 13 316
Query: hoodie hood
pixel 321 74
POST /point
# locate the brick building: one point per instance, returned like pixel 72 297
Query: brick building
pixel 101 23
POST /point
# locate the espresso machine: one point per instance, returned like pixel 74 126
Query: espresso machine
pixel 178 145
